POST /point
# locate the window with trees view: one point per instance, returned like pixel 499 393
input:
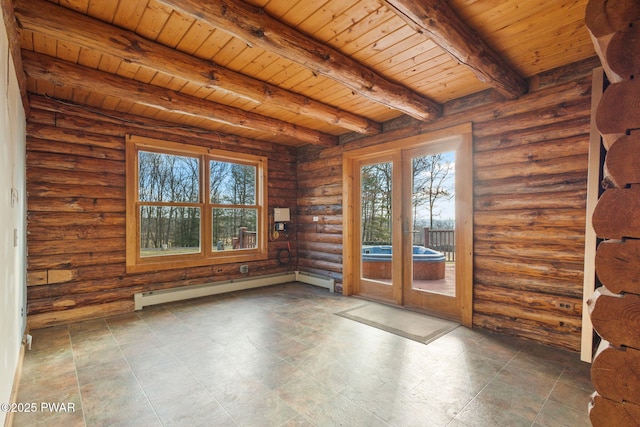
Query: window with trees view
pixel 188 205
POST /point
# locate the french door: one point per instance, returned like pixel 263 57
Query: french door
pixel 408 224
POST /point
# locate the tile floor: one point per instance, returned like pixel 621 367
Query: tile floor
pixel 279 356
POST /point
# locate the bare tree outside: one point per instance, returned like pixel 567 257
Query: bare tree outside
pixel 431 185
pixel 432 189
pixel 168 184
pixel 376 203
pixel 169 189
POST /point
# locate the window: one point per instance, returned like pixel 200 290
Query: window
pixel 189 205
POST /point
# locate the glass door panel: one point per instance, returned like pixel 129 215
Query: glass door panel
pixel 432 222
pixel 376 227
pixel 377 215
pixel 430 218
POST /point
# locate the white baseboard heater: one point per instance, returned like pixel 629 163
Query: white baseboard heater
pixel 144 299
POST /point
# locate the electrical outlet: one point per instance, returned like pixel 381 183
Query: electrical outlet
pixel 564 305
pixel 315 219
pixel 244 268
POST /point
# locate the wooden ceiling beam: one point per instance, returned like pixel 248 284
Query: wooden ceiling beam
pixel 66 74
pixel 75 28
pixel 9 19
pixel 256 28
pixel 438 21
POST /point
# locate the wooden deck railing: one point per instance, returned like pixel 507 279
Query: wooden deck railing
pixel 442 241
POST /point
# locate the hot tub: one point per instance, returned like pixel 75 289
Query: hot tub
pixel 428 264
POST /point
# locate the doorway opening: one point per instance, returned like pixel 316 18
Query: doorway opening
pixel 408 226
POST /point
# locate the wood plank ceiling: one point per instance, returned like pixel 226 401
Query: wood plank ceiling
pixel 292 72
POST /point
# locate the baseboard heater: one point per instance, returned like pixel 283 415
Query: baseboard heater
pixel 144 299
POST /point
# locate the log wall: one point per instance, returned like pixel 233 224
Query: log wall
pixel 530 174
pixel 530 171
pixel 76 212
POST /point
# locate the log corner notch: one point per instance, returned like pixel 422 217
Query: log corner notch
pixel 438 21
pixel 616 316
pixel 255 27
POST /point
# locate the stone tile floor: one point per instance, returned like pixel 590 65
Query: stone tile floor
pixel 278 356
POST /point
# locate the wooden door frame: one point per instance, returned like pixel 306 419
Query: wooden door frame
pixel 464 208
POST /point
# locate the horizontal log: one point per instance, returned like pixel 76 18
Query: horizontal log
pixel 565 73
pixel 81 291
pixel 615 373
pixel 543 249
pixel 532 184
pixel 42 117
pixel 617 264
pixel 530 217
pixel 616 317
pixel 67 302
pixel 559 200
pixel 119 124
pixel 618 112
pixel 621 161
pixel 306 264
pixel 623 52
pixel 321 163
pixel 42 146
pixel 533 152
pixel 531 135
pixel 52 176
pixel 45 190
pixel 570 236
pixel 74 232
pixel 320 191
pixel 615 215
pixel 75 204
pixel 550 96
pixel 605 412
pixel 326 177
pixel 310 236
pixel 604 17
pixel 554 166
pixel 527 329
pixel 329 214
pixel 547 115
pixel 71 219
pixel 44 320
pixel 332 169
pixel 543 285
pixel 319 256
pixel 555 308
pixel 570 273
pixel 311 246
pixel 68 260
pixel 321 200
pixel 61 247
pixel 55 161
pixel 560 322
pixel 78 137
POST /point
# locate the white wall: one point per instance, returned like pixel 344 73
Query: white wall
pixel 12 217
